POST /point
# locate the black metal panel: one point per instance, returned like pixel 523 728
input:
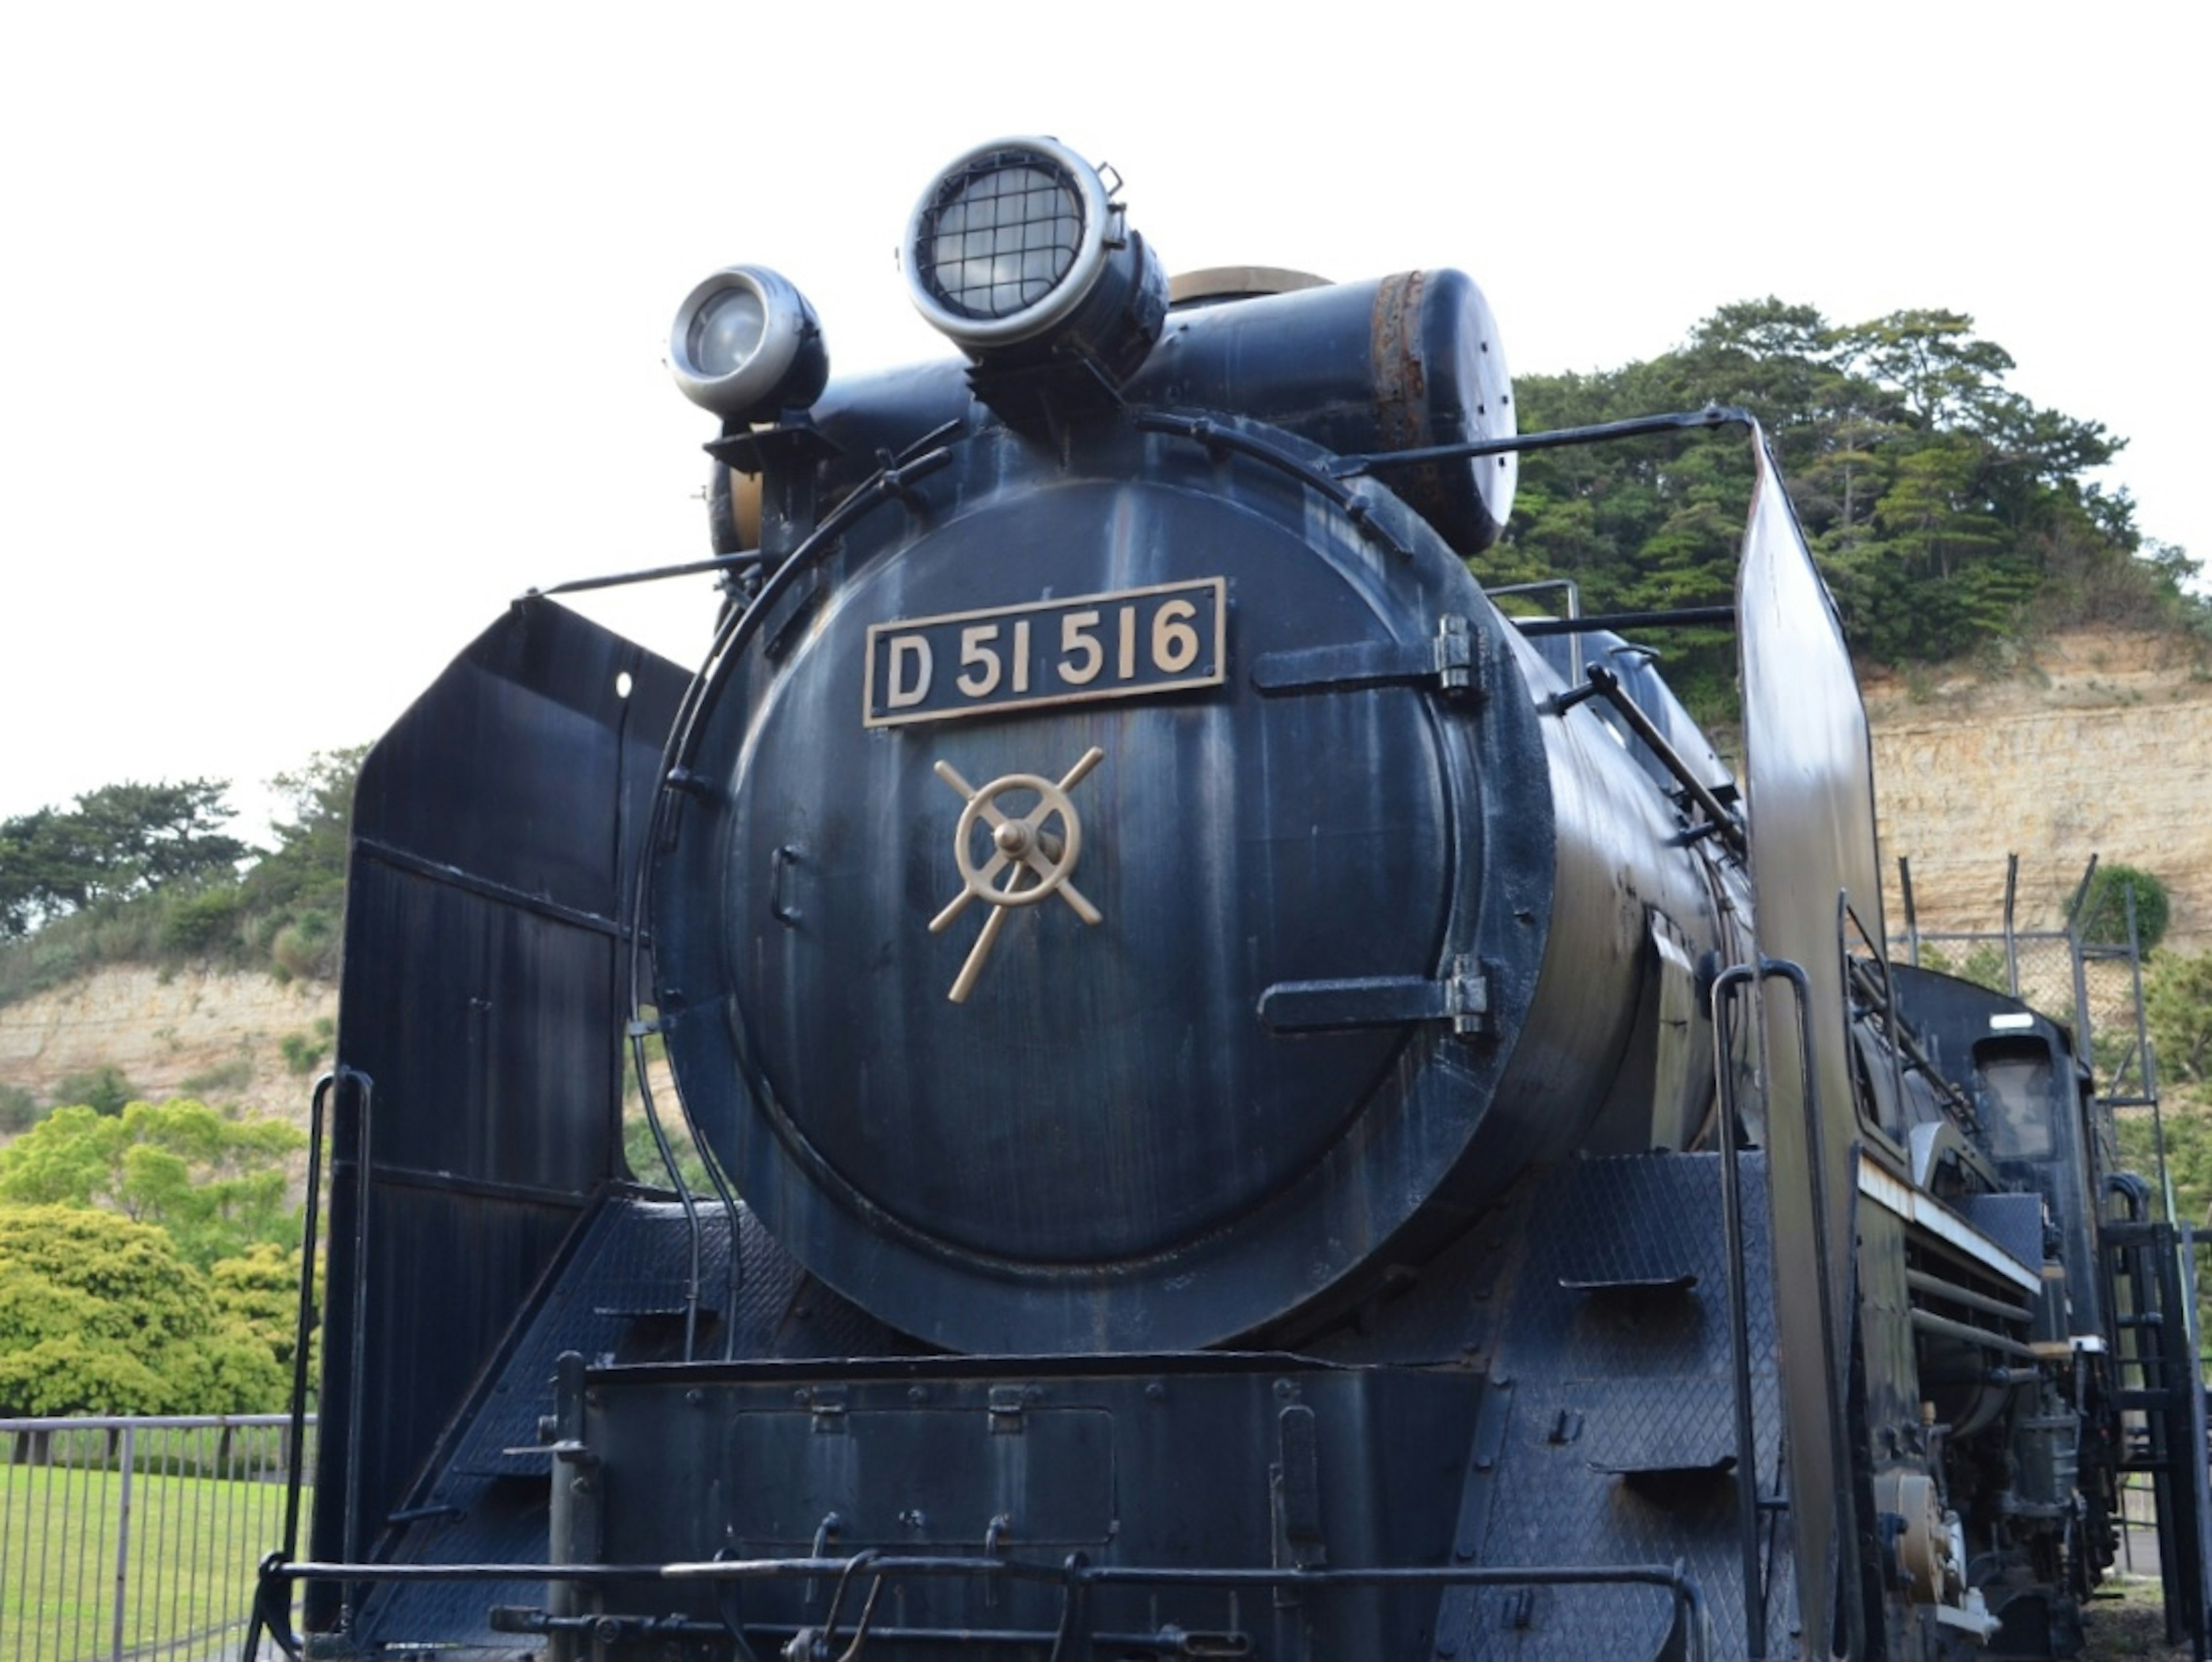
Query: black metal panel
pixel 612 1289
pixel 481 1076
pixel 1102 1143
pixel 494 832
pixel 1609 1438
pixel 1810 798
pixel 2013 1221
pixel 1191 1462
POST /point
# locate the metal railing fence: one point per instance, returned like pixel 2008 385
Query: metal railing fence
pixel 137 1537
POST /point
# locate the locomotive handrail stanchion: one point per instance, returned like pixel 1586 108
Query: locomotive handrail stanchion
pixel 1674 1580
pixel 1218 435
pixel 2011 934
pixel 1817 1163
pixel 637 1030
pixel 1911 917
pixel 1713 414
pixel 1726 983
pixel 304 1328
pixel 1603 682
pixel 1725 989
pixel 271 1611
pixel 2197 1594
pixel 1074 1626
pixel 819 1640
pixel 737 562
pixel 735 633
pixel 357 1372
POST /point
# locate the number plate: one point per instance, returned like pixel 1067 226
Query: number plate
pixel 1118 645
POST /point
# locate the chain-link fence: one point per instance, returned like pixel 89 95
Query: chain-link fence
pixel 137 1537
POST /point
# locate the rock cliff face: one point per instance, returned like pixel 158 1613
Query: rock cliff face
pixel 2102 745
pixel 220 1037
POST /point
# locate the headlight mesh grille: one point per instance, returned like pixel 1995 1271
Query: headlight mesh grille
pixel 999 234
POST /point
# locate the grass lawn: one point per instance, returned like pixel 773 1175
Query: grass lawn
pixel 2128 1620
pixel 187 1568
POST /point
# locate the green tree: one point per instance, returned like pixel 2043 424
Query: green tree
pixel 260 1289
pixel 1945 511
pixel 106 1089
pixel 1932 360
pixel 216 1185
pixel 99 1314
pixel 19 1109
pixel 299 887
pixel 2103 915
pixel 307 869
pixel 117 842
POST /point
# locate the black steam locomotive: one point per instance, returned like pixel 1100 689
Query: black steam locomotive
pixel 1244 1103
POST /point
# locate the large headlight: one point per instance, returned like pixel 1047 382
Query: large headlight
pixel 745 344
pixel 1018 243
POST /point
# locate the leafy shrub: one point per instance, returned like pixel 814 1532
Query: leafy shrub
pixel 2103 915
pixel 214 1183
pixel 260 1289
pixel 99 1314
pixel 19 1109
pixel 302 1051
pixel 203 922
pixel 127 932
pixel 225 1076
pixel 104 1089
pixel 307 947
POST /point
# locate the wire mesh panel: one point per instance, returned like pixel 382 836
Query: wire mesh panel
pixel 136 1538
pixel 1001 234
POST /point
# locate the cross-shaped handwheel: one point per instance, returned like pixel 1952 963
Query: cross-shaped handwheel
pixel 1022 847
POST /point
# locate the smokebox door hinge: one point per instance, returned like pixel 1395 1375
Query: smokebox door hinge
pixel 1453 661
pixel 1462 998
pixel 1007 1405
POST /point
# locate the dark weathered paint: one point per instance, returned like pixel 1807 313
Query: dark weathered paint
pixel 493 831
pixel 1810 798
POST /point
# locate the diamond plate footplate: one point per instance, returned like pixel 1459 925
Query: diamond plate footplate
pixel 620 1283
pixel 1611 1439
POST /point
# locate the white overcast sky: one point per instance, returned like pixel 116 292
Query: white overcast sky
pixel 325 331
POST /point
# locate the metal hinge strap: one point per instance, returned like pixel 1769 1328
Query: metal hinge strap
pixel 1462 998
pixel 1451 661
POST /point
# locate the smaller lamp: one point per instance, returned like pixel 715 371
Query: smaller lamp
pixel 746 346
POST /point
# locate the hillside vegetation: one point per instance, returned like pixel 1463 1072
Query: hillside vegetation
pixel 134 874
pixel 1951 517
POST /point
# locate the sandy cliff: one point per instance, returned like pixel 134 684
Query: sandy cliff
pixel 2101 744
pixel 219 1036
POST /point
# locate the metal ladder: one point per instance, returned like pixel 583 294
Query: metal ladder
pixel 2150 1269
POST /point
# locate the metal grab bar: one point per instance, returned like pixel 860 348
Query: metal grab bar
pixel 1078 1573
